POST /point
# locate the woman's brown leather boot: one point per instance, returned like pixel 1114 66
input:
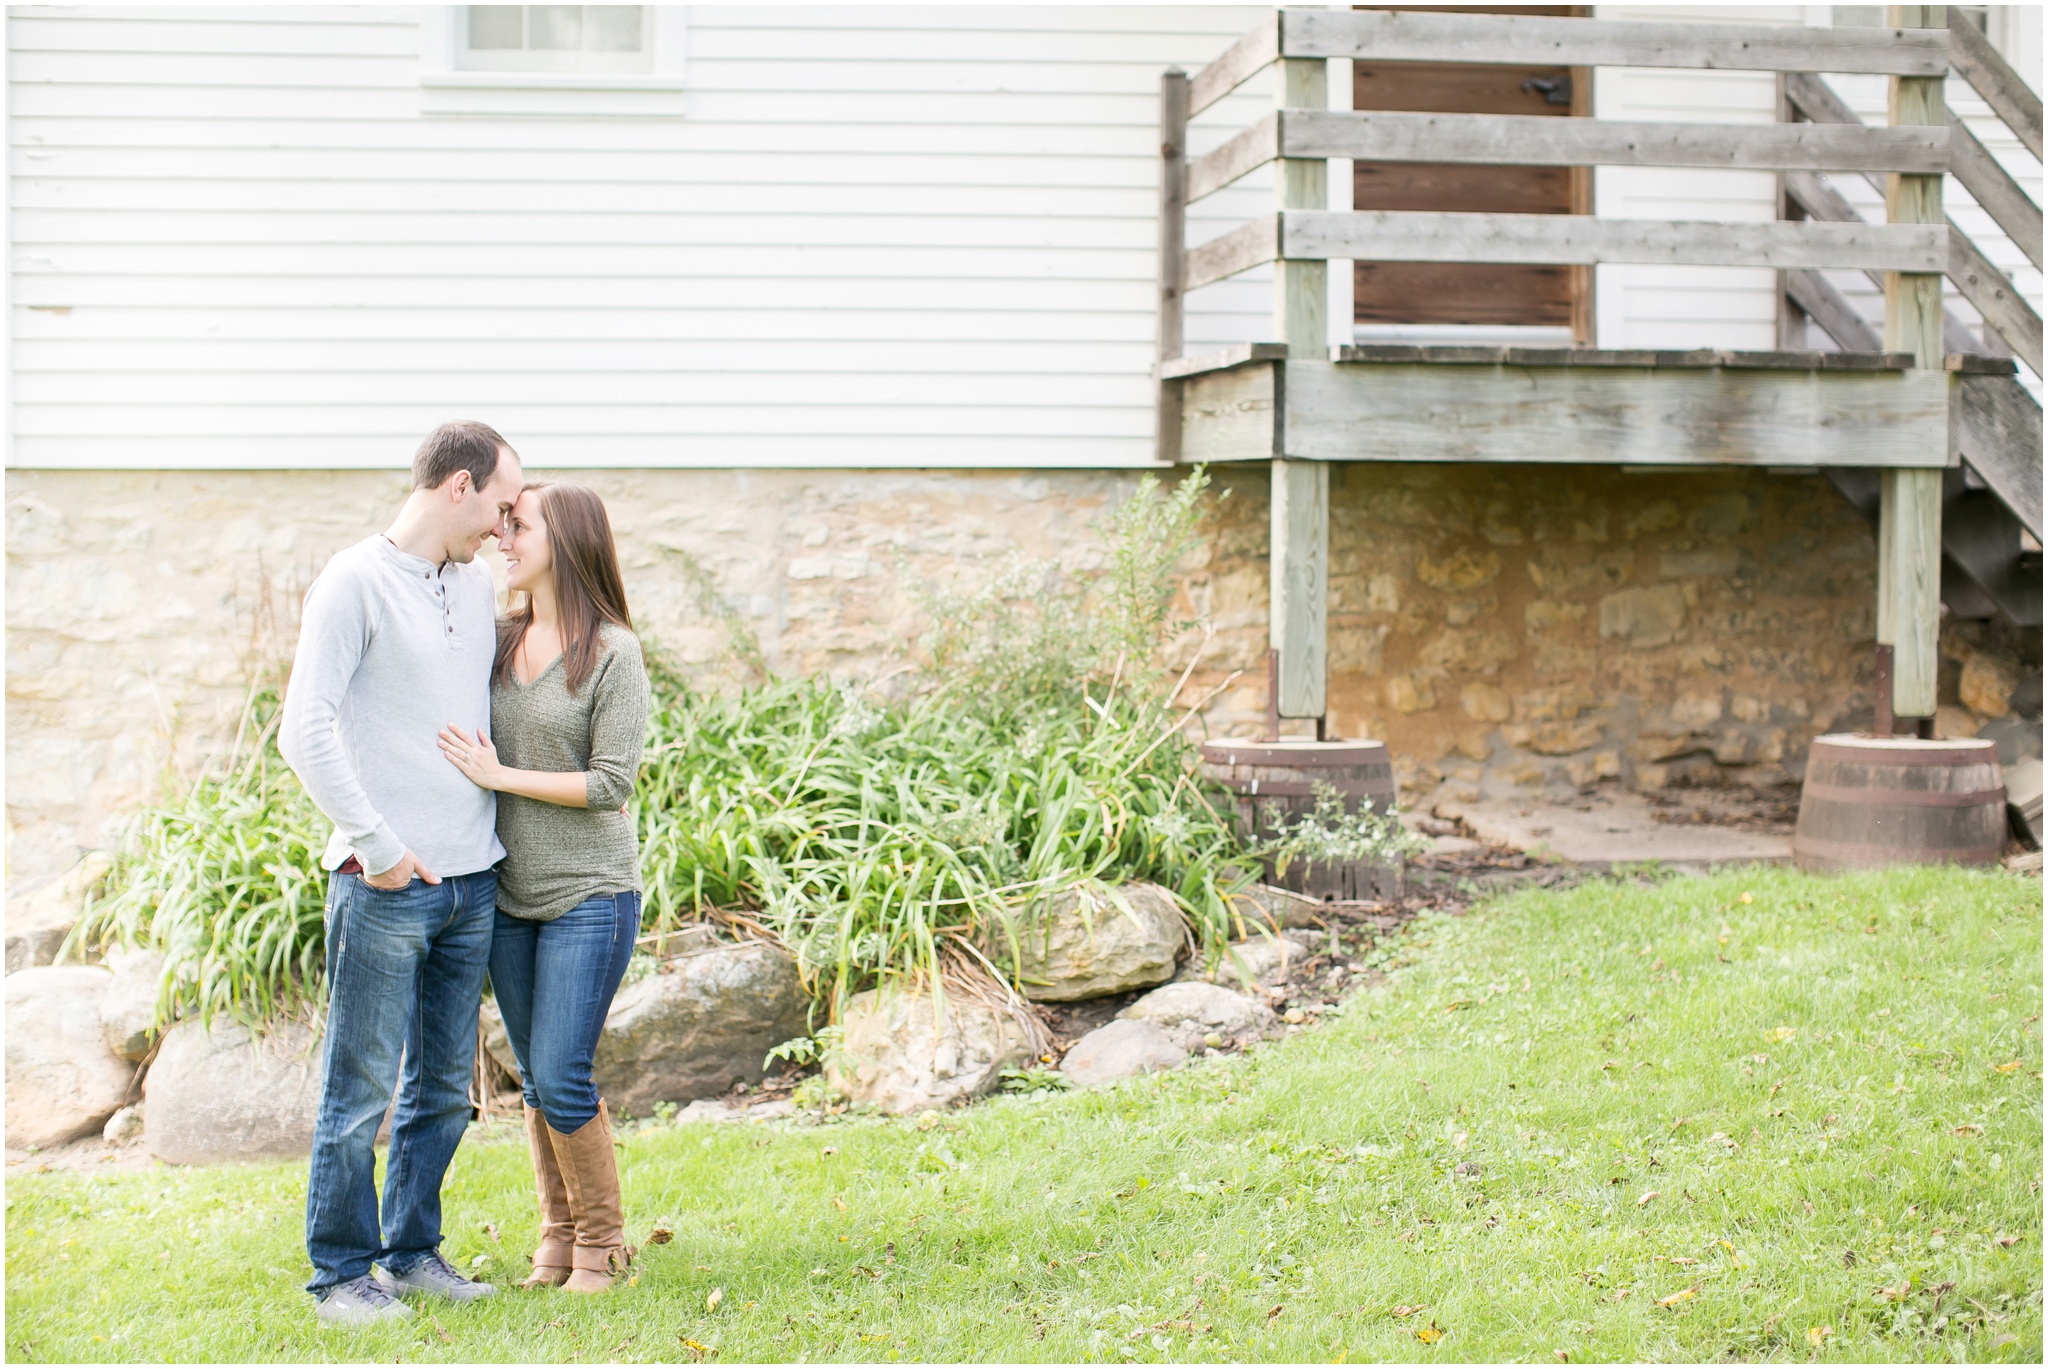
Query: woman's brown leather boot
pixel 591 1171
pixel 553 1259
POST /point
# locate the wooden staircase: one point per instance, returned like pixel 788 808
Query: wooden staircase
pixel 1910 417
pixel 1991 503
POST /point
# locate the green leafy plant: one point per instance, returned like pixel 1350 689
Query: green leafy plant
pixel 1331 834
pixel 1034 1079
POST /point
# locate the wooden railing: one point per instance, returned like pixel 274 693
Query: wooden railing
pixel 1833 141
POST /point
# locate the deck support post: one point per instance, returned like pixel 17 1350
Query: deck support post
pixel 1298 621
pixel 1300 584
pixel 1909 517
pixel 1173 230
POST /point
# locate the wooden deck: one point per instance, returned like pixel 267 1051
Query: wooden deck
pixel 1563 406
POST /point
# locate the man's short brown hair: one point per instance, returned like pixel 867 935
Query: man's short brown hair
pixel 453 447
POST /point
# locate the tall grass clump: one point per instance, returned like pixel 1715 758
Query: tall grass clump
pixel 225 879
pixel 1041 750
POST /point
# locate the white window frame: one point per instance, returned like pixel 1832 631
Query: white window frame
pixel 630 94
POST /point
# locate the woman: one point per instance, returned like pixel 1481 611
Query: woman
pixel 569 705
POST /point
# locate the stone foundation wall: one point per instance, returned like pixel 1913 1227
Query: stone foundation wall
pixel 1508 632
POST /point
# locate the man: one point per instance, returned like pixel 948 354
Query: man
pixel 396 643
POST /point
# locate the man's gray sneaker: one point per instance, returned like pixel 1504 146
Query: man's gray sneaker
pixel 435 1276
pixel 359 1302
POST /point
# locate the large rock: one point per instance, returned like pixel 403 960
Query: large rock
pixel 38 922
pixel 62 1081
pixel 1119 1051
pixel 1190 1013
pixel 223 1094
pixel 128 1007
pixel 1255 961
pixel 897 1054
pixel 1090 943
pixel 704 1021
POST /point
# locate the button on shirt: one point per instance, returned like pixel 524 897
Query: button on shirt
pixel 392 648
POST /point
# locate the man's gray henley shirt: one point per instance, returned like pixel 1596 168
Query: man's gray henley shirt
pixel 393 648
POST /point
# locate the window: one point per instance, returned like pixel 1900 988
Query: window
pixel 585 38
pixel 538 61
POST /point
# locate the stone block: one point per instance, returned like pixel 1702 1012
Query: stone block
pixel 1591 769
pixel 1693 565
pixel 1555 738
pixel 704 1021
pixel 901 1055
pixel 1645 616
pixel 225 1094
pixel 128 1006
pixel 1696 710
pixel 1464 568
pixel 38 922
pixel 1090 943
pixel 1542 615
pixel 1486 702
pixel 1120 1050
pixel 1408 694
pixel 1987 684
pixel 62 1081
pixel 1191 1012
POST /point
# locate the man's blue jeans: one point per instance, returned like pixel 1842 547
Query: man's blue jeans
pixel 405 968
pixel 554 983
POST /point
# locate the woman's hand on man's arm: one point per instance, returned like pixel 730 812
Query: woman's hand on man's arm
pixel 477 758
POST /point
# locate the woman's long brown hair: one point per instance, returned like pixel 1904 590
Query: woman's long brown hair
pixel 588 588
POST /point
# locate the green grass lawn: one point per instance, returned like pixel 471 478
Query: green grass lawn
pixel 1756 1116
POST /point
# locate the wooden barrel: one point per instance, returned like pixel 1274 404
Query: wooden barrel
pixel 1274 784
pixel 1872 801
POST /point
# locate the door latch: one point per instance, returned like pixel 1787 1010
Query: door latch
pixel 1556 90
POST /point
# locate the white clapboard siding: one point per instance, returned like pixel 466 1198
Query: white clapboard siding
pixel 1690 306
pixel 912 236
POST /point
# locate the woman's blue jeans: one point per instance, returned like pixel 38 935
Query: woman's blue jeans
pixel 554 982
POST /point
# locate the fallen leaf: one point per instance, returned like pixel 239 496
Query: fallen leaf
pixel 1895 1294
pixel 1680 1296
pixel 1653 1193
pixel 699 1351
pixel 1748 899
pixel 1683 1259
pixel 2008 1069
pixel 717 1297
pixel 2008 1240
pixel 839 1203
pixel 1620 1295
pixel 1784 1033
pixel 491 1230
pixel 1276 1311
pixel 1816 1334
pixel 441 1330
pixel 1562 1357
pixel 1430 1334
pixel 661 1235
pixel 1408 1309
pixel 1968 1129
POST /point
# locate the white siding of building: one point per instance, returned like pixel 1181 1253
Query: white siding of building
pixel 877 237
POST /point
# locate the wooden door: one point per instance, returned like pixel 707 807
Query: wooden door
pixel 1460 293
